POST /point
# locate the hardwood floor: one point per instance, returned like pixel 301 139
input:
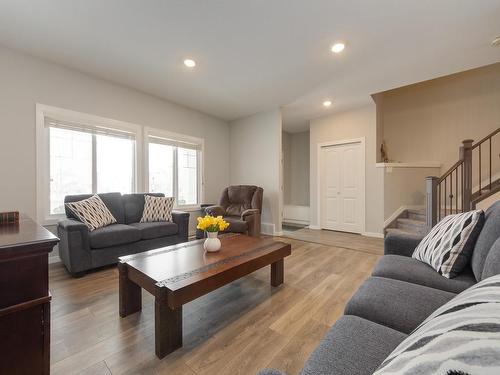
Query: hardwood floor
pixel 238 329
pixel 341 239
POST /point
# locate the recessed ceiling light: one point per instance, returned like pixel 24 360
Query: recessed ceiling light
pixel 190 63
pixel 338 47
pixel 327 103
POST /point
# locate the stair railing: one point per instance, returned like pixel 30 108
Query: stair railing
pixel 452 192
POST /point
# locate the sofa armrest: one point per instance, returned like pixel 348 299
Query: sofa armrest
pixel 401 244
pixel 250 211
pixel 74 247
pixel 181 218
pixel 215 211
pixel 271 371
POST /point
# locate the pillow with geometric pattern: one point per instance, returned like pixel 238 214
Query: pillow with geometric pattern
pixel 157 209
pixel 92 212
pixel 448 246
pixel 462 337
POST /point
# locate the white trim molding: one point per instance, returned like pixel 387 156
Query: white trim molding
pixel 321 145
pixel 373 234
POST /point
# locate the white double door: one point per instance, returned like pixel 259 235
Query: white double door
pixel 342 189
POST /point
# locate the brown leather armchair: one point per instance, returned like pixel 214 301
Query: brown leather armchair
pixel 241 207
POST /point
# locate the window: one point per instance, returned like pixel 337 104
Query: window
pixel 174 167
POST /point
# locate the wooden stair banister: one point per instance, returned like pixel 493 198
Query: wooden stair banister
pixel 443 193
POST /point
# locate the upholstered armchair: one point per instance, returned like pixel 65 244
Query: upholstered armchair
pixel 241 207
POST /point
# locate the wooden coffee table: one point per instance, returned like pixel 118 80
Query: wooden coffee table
pixel 178 274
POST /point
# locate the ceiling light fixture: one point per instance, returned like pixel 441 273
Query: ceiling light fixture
pixel 327 103
pixel 190 63
pixel 496 42
pixel 338 47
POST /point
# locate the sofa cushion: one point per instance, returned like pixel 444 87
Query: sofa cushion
pixel 236 225
pixel 413 271
pixel 448 246
pixel 492 264
pixel 353 346
pixel 156 229
pixel 157 209
pixel 112 235
pixel 133 205
pixel 489 234
pixel 460 337
pixel 396 304
pixel 113 202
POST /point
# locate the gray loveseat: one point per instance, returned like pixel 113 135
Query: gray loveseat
pixel 401 294
pixel 81 250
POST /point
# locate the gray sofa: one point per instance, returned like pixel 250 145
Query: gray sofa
pixel 81 250
pixel 399 295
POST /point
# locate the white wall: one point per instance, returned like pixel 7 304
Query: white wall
pixel 26 81
pixel 255 148
pixel 349 125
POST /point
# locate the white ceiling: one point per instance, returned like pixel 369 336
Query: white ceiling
pixel 255 55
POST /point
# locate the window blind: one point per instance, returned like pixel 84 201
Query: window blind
pixel 86 128
pixel 174 142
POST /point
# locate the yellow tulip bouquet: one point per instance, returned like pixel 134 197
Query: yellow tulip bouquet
pixel 212 223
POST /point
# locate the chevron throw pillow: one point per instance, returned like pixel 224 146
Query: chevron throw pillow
pixel 448 246
pixel 157 209
pixel 92 212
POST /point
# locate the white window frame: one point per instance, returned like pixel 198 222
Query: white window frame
pixel 43 152
pixel 153 132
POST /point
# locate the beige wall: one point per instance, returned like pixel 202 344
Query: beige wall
pixel 349 125
pixel 255 148
pixel 26 81
pixel 405 187
pixel 429 120
pixel 296 168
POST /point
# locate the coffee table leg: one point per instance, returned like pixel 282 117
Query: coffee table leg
pixel 130 293
pixel 168 328
pixel 277 272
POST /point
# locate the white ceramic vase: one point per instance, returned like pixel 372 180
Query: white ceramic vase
pixel 212 243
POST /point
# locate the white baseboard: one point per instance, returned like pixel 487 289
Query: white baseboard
pixel 267 228
pixel 296 214
pixel 54 259
pixel 373 234
pixel 315 227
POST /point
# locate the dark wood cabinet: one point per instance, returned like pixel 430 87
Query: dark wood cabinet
pixel 25 298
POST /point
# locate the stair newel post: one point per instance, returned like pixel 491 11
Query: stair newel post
pixel 466 156
pixel 432 199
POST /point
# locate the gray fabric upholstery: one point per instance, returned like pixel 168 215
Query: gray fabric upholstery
pixel 133 205
pixel 113 235
pixel 492 264
pixel 398 244
pixel 416 272
pixel 489 234
pixel 156 229
pixel 113 202
pixel 74 245
pixel 236 225
pixel 395 304
pixel 353 346
pixel 181 218
pixel 110 255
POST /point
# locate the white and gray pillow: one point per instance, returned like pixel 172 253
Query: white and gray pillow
pixel 448 246
pixel 157 209
pixel 92 212
pixel 461 337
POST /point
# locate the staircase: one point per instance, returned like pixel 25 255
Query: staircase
pixel 410 222
pixel 454 191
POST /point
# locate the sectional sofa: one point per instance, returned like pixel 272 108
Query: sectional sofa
pixel 81 250
pixel 401 293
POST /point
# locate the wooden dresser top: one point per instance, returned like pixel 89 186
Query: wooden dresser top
pixel 28 232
